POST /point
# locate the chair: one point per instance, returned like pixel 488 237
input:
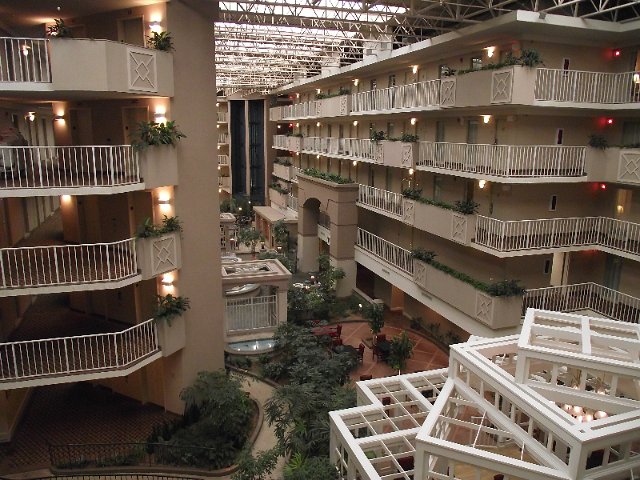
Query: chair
pixel 335 342
pixel 381 337
pixel 339 330
pixel 361 352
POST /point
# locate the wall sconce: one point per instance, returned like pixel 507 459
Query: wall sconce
pixel 167 280
pixel 490 51
pixel 413 121
pixel 318 124
pixel 31 116
pixel 297 95
pixel 411 171
pixel 218 126
pixel 355 123
pixel 65 198
pixel 160 116
pixel 355 163
pixel 217 104
pixel 486 118
pixel 218 147
pixel 59 117
pixel 218 167
pixel 414 69
pixel 25 50
pixel 219 190
pixel 482 184
pixel 356 82
pixel 318 91
pixel 317 156
pixel 620 209
pixel 155 27
pixel 609 121
pixel 297 125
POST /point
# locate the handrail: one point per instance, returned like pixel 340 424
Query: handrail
pixel 50 357
pixel 380 199
pixel 251 313
pixel 24 267
pixel 413 95
pixel 24 60
pixel 40 167
pixel 586 87
pixel 389 252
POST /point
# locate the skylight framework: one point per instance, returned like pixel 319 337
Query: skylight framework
pixel 560 401
pixel 312 34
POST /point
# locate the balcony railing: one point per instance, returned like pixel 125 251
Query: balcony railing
pixel 55 265
pixel 252 313
pixel 585 296
pixel 292 202
pixel 412 96
pixel 55 357
pixel 68 167
pixel 587 87
pixel 223 138
pixel 357 148
pixel 504 160
pixel 24 60
pixel 223 159
pixel 222 116
pixel 379 199
pixel 387 251
pixel 513 235
pixel 281 141
pixel 299 110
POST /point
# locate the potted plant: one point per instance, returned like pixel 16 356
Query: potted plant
pixel 155 134
pixel 158 164
pixel 59 29
pixel 374 313
pixel 598 141
pixel 169 309
pixel 400 351
pixel 160 41
pixel 377 136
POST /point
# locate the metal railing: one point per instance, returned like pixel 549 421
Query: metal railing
pixel 505 160
pixel 24 60
pixel 251 313
pixel 389 252
pixel 292 202
pixel 294 174
pixel 223 159
pixel 414 95
pixel 587 87
pixel 512 235
pixel 384 200
pixel 222 116
pixel 113 476
pixel 49 357
pixel 281 141
pixel 77 166
pixel 42 266
pixel 357 148
pixel 299 110
pixel 223 137
pixel 584 296
pixel 97 455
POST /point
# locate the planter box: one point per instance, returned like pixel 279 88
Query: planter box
pixel 495 312
pixel 159 166
pixel 280 199
pixel 399 154
pixel 334 106
pixel 294 144
pixel 171 338
pixel 613 164
pixel 282 171
pixel 158 255
pixel 439 221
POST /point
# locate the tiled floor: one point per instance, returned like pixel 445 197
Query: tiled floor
pixel 426 356
pixel 75 413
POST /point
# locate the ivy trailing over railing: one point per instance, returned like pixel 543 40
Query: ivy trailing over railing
pixel 283 161
pixel 503 288
pixel 405 137
pixel 529 57
pixel 148 229
pixel 466 207
pixel 329 177
pixel 278 188
pixel 291 134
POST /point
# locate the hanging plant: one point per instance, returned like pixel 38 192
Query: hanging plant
pixel 154 134
pixel 59 29
pixel 160 41
pixel 170 307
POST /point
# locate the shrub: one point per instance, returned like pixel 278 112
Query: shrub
pixel 278 188
pixel 154 134
pixel 466 207
pixel 377 136
pixel 169 307
pixel 505 288
pixel 314 468
pixel 148 229
pixel 400 351
pixel 160 41
pixel 59 29
pixel 422 254
pixel 407 137
pixel 598 141
pixel 330 177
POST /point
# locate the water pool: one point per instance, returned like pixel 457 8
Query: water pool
pixel 252 346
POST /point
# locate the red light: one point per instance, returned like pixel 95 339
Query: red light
pixel 616 53
pixel 609 121
pixel 603 186
pixel 291 124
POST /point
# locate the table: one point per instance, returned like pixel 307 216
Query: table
pixel 384 347
pixel 331 330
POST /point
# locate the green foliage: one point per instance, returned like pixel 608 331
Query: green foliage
pixel 314 468
pixel 160 41
pixel 169 307
pixel 598 141
pixel 59 29
pixel 250 236
pixel 328 276
pixel 148 229
pixel 154 134
pixel 374 313
pixel 377 136
pixel 283 161
pixel 630 145
pixel 503 288
pixel 342 91
pixel 528 58
pixel 284 260
pixel 465 207
pixel 407 137
pixel 400 351
pixel 258 467
pixel 280 233
pixel 298 134
pixel 239 362
pixel 278 188
pixel 330 177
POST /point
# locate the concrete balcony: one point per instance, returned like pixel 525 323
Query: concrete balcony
pixel 290 143
pixel 223 160
pixel 84 170
pixel 518 85
pixel 399 154
pixel 49 361
pixel 458 301
pixel 505 163
pixel 338 106
pixel 402 98
pixel 91 266
pixel 585 297
pixel 83 65
pixel 277 198
pixel 505 238
pixel 618 165
pixel 223 117
pixel 285 172
pixel 358 149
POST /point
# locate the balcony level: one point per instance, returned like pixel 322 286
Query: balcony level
pixel 47 361
pixel 84 170
pixel 53 67
pixel 92 266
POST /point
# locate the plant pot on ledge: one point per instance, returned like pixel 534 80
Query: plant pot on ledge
pixel 171 338
pixel 159 166
pixel 158 255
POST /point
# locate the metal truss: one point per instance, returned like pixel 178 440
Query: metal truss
pixel 280 40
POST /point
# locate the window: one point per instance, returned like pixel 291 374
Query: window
pixel 476 63
pixel 392 81
pixel 553 203
pixel 374 84
pixel 547 267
